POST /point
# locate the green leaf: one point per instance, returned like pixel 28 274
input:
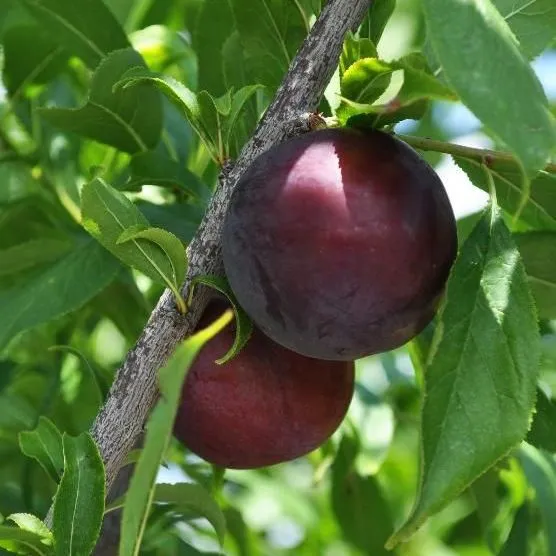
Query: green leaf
pixel 213 119
pixel 419 81
pixel 188 498
pixel 238 105
pixel 271 32
pixel 244 325
pixel 165 50
pixel 354 49
pixel 365 80
pixel 17 182
pixel 79 502
pixel 32 253
pixel 180 219
pixel 532 22
pixel 44 444
pixel 373 116
pixel 21 541
pixel 358 504
pixel 130 120
pixel 482 370
pixel 141 491
pixel 214 26
pixel 63 287
pixel 517 543
pixel 537 251
pixel 32 524
pixel 17 413
pixel 31 56
pixel 540 209
pixel 542 434
pixel 108 215
pixel 235 76
pixel 153 168
pixel 233 63
pixel 486 492
pixel 183 98
pixel 540 471
pixel 86 28
pixel 171 246
pixel 375 21
pixel 479 55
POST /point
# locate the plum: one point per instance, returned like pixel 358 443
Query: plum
pixel 338 243
pixel 265 406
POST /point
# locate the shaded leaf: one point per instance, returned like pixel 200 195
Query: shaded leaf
pixel 358 504
pixel 152 168
pixel 79 501
pixel 517 543
pixel 180 219
pixel 540 471
pixel 271 32
pixel 63 287
pixel 86 28
pixel 542 433
pixel 130 120
pixel 540 208
pixel 44 444
pixel 238 104
pixel 141 491
pixel 188 498
pixel 375 21
pixel 479 56
pixel 31 56
pixel 214 25
pixel 32 253
pixel 482 370
pixel 537 251
pixel 17 413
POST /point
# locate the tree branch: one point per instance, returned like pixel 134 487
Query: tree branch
pixel 134 391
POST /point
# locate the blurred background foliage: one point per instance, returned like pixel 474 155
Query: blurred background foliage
pixel 343 499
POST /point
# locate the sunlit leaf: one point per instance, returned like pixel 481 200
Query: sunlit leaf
pixel 480 56
pixel 159 429
pixel 481 376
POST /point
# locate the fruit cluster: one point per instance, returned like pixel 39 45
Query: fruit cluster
pixel 338 245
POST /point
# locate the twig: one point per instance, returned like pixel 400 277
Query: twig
pixel 134 391
pixel 426 144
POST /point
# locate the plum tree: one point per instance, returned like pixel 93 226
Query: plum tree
pixel 338 243
pixel 265 406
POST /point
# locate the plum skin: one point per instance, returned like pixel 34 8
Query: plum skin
pixel 338 243
pixel 265 406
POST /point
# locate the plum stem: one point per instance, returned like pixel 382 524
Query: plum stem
pixel 426 144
